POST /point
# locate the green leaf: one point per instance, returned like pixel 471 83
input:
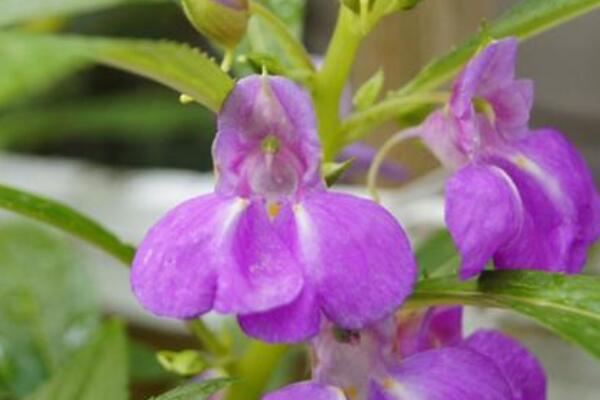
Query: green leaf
pixel 40 322
pixel 185 362
pixel 142 115
pixel 15 11
pixel 523 20
pixel 437 255
pixel 174 65
pixel 567 305
pixel 143 365
pixel 367 94
pixel 195 391
pixel 96 372
pixel 65 218
pixel 333 171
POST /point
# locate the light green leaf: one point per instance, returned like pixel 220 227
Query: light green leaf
pixel 175 65
pixel 185 362
pixel 367 94
pixel 567 305
pixel 16 11
pixel 96 372
pixel 40 322
pixel 195 391
pixel 333 171
pixel 65 218
pixel 523 20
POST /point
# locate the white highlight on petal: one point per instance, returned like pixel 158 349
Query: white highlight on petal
pixel 230 216
pixel 308 237
pixel 399 391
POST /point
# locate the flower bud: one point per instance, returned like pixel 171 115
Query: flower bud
pixel 224 21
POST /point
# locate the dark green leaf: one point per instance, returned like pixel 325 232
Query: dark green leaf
pixel 333 171
pixel 525 19
pixel 40 322
pixel 143 366
pixel 15 11
pixel 96 372
pixel 567 305
pixel 174 65
pixel 195 391
pixel 65 218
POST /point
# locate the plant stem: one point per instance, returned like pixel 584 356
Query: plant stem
pixel 359 124
pixel 207 338
pixel 290 44
pixel 333 77
pixel 255 369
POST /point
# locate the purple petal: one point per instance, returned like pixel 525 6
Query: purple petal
pixel 488 71
pixel 257 271
pixel 437 327
pixel 444 374
pixel 521 369
pixel 261 107
pixel 483 213
pixel 442 134
pixel 560 202
pixel 174 270
pixel 307 391
pixel 512 105
pixel 291 323
pixel 214 251
pixel 357 254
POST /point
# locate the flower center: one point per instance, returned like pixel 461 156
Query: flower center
pixel 270 144
pixel 484 107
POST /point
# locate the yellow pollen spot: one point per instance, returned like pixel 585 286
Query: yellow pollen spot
pixel 389 383
pixel 351 393
pixel 273 210
pixel 522 162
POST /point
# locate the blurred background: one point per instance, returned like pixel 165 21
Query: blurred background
pixel 124 150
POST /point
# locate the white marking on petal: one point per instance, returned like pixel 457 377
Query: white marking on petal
pixel 399 391
pixel 230 215
pixel 307 235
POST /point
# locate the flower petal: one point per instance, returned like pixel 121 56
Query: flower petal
pixel 512 105
pixel 421 331
pixel 174 272
pixel 521 369
pixel 357 254
pixel 291 323
pixel 560 201
pixel 483 213
pixel 307 391
pixel 257 271
pixel 259 107
pixel 214 251
pixel 444 374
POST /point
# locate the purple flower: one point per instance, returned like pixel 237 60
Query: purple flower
pixel 272 245
pixel 486 365
pixel 524 198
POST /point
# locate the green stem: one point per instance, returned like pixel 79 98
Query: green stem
pixel 290 44
pixel 208 339
pixel 255 369
pixel 359 124
pixel 333 77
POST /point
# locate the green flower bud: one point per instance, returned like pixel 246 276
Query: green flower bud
pixel 224 21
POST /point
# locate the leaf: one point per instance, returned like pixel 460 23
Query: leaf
pixel 143 365
pixel 96 372
pixel 185 362
pixel 195 391
pixel 40 323
pixel 437 254
pixel 65 218
pixel 525 19
pixel 173 64
pixel 367 94
pixel 567 305
pixel 16 11
pixel 333 171
pixel 146 115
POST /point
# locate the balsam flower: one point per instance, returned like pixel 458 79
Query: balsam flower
pixel 272 245
pixel 524 198
pixel 374 365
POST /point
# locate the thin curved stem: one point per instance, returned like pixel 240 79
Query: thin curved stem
pixel 380 158
pixel 227 61
pixel 292 46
